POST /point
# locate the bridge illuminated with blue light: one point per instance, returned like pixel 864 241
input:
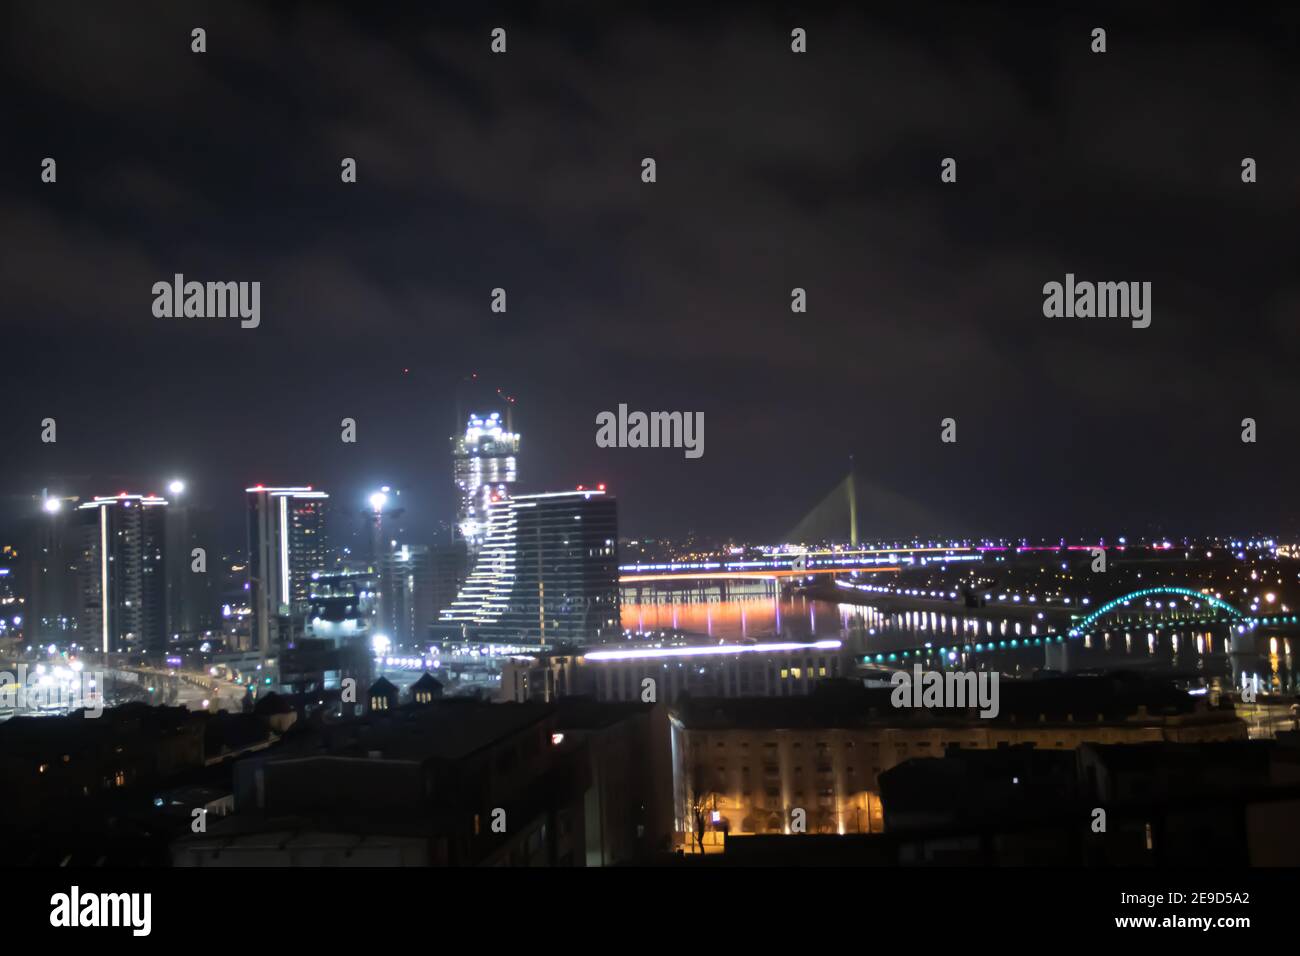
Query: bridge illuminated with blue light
pixel 1085 626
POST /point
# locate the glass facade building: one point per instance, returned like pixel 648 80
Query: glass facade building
pixel 122 574
pixel 407 586
pixel 286 544
pixel 546 573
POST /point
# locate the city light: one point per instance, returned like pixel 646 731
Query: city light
pixel 711 650
pixel 560 640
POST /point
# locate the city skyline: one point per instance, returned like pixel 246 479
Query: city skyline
pixel 351 525
pixel 649 435
pixel 377 296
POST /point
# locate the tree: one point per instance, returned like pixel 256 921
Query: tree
pixel 700 799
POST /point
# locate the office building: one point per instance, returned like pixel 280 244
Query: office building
pixel 192 606
pixel 12 616
pixel 49 567
pixel 286 544
pixel 407 589
pixel 121 573
pixel 450 564
pixel 394 575
pixel 547 573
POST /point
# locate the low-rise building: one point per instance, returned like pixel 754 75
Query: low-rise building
pixel 745 765
pixel 778 669
pixel 449 782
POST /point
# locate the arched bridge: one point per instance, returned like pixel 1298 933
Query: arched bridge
pixel 1221 609
pixel 1231 612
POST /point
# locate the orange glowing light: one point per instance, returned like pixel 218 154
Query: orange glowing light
pixel 698 575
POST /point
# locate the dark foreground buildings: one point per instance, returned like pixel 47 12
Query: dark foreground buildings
pixel 1227 804
pixel 1111 769
pixel 415 780
pixel 1233 803
pixel 450 782
pixel 114 789
pixel 1083 770
pixel 755 760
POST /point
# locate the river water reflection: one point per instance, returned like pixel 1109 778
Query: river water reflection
pixel 757 611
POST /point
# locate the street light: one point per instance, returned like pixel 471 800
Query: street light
pixel 52 505
pixel 176 486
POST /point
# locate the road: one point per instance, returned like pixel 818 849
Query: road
pixel 194 687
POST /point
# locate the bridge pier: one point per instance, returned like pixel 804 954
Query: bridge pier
pixel 1243 655
pixel 1056 657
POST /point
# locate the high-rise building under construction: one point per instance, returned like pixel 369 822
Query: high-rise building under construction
pixel 484 466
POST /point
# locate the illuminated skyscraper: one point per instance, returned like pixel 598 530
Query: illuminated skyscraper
pixel 286 543
pixel 122 575
pixel 52 562
pixel 408 594
pixel 485 465
pixel 547 572
pixel 191 596
pixel 381 518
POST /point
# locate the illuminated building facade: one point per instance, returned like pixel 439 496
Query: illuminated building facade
pixel 749 762
pixel 484 466
pixel 779 669
pixel 122 574
pixel 286 544
pixel 341 607
pixel 407 588
pixel 52 562
pixel 8 580
pixel 547 572
pixel 341 621
pixel 381 518
pixel 449 563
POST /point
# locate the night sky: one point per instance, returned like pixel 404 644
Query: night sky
pixel 775 170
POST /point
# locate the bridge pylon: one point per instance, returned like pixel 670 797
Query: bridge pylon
pixel 853 503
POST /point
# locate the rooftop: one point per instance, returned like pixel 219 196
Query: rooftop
pixel 1117 697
